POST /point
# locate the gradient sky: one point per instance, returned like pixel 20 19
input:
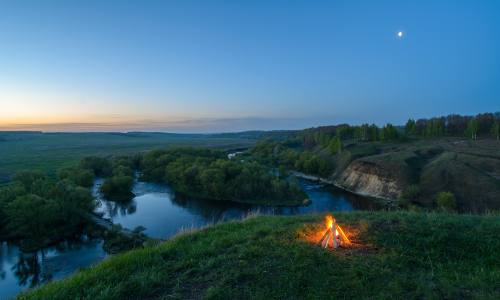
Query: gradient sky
pixel 206 66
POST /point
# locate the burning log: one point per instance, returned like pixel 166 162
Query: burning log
pixel 333 233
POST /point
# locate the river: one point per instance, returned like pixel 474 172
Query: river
pixel 156 208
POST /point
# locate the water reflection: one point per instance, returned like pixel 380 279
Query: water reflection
pixel 28 269
pixel 20 270
pixel 119 208
pixel 163 213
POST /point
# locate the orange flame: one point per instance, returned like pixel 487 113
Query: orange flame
pixel 338 230
pixel 343 234
pixel 329 222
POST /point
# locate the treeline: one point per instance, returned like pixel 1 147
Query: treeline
pixel 485 125
pixel 333 137
pixel 37 211
pixel 284 157
pixel 208 174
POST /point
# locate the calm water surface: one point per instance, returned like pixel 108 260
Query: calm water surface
pixel 156 208
pixel 19 271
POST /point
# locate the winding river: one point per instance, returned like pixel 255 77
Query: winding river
pixel 156 208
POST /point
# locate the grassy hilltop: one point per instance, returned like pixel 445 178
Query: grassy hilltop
pixel 399 255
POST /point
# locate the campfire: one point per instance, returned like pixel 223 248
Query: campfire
pixel 334 236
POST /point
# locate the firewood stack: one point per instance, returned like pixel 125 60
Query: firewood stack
pixel 334 235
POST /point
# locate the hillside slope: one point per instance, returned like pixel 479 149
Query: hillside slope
pixel 398 255
pixel 468 169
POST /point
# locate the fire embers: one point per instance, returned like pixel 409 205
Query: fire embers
pixel 334 236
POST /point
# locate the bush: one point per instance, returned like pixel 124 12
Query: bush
pixel 446 201
pixel 115 241
pixel 117 187
pixel 411 193
pixel 99 165
pixel 78 176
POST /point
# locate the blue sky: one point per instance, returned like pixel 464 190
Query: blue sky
pixel 205 66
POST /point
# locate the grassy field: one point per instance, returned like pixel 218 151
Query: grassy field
pixel 398 255
pixel 50 151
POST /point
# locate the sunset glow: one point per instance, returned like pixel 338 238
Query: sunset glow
pixel 164 63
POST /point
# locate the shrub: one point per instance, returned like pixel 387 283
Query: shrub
pixel 411 192
pixel 446 201
pixel 118 187
pixel 78 176
pixel 409 195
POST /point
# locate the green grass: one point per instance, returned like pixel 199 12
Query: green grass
pixel 403 255
pixel 48 152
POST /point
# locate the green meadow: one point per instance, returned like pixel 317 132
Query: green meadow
pixel 48 152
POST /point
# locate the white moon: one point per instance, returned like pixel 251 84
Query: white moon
pixel 400 34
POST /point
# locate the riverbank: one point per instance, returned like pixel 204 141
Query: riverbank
pixel 380 200
pixel 398 255
pixel 156 208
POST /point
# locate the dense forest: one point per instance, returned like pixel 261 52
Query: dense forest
pixel 37 211
pixel 208 174
pixel 196 172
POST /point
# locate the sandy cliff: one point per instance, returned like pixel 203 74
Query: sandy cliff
pixel 371 179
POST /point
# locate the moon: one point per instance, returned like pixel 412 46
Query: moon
pixel 400 34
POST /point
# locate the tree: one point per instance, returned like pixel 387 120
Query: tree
pixel 344 131
pixel 37 211
pixel 495 130
pixel 435 127
pixel 389 133
pixel 29 218
pixel 118 187
pixel 373 133
pixel 485 121
pixel 456 124
pixel 420 126
pixel 33 182
pixel 335 145
pixel 410 128
pixel 363 132
pixel 99 165
pixel 79 176
pixel 472 129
